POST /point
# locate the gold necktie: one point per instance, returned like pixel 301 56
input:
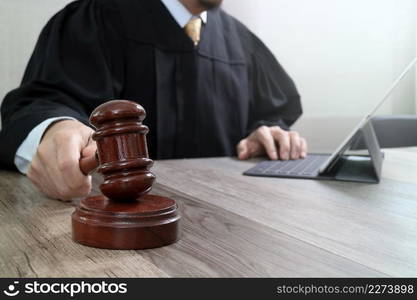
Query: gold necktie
pixel 193 29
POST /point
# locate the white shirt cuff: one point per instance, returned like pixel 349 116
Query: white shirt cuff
pixel 27 149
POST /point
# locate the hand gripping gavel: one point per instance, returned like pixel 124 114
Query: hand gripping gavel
pixel 125 216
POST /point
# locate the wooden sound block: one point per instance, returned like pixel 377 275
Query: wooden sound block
pixel 149 222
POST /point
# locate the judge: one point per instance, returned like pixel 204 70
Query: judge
pixel 209 85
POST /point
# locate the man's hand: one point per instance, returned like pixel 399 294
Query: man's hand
pixel 276 142
pixel 55 167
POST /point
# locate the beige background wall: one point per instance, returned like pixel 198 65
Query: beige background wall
pixel 20 24
pixel 342 54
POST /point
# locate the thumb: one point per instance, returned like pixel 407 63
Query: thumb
pixel 243 150
pixel 90 149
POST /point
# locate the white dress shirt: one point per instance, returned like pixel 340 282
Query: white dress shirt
pixel 27 149
pixel 180 13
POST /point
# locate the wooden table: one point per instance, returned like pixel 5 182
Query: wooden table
pixel 232 225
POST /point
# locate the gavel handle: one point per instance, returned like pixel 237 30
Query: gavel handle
pixel 89 164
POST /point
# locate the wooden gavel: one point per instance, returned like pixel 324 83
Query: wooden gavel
pixel 122 153
pixel 125 216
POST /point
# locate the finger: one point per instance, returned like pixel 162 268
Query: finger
pixel 295 144
pixel 47 177
pixel 90 148
pixel 73 182
pixel 69 193
pixel 267 141
pixel 37 178
pixel 250 147
pixel 243 150
pixel 304 147
pixel 283 140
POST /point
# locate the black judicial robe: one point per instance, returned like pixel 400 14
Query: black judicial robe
pixel 200 101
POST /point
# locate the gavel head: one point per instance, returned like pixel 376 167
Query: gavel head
pixel 122 150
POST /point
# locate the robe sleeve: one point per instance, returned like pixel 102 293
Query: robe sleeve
pixel 67 75
pixel 275 100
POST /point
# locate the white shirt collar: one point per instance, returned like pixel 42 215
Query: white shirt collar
pixel 181 13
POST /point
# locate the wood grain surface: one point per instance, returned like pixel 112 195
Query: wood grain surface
pixel 232 226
